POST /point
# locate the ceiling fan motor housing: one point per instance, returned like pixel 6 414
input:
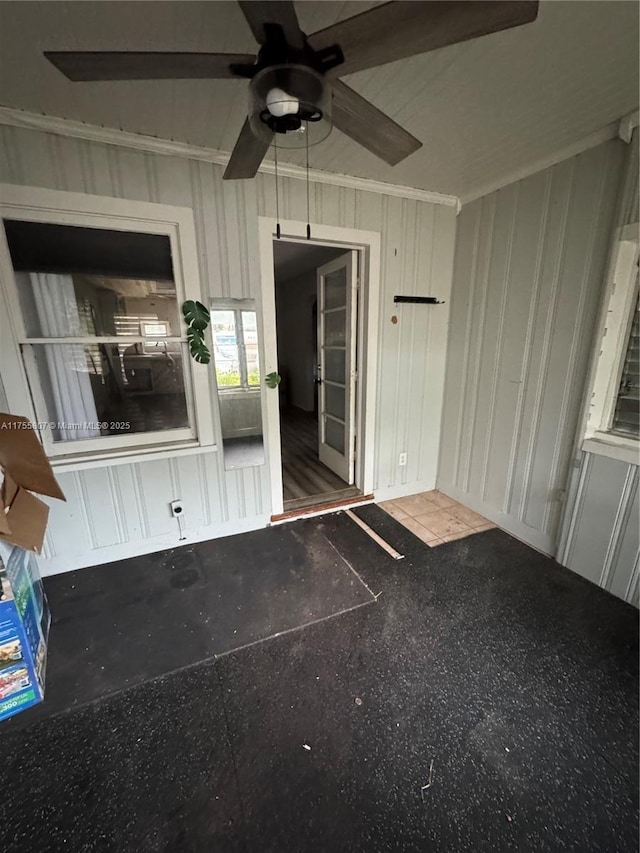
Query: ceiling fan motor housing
pixel 291 101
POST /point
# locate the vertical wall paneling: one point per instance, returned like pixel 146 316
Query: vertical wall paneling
pixel 602 542
pixel 600 536
pixel 417 243
pixel 132 515
pixel 529 268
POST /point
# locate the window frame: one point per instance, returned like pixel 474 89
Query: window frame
pixel 612 341
pixel 237 306
pixel 23 390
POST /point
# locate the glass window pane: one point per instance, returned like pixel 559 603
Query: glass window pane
pixel 226 353
pixel 334 435
pixel 335 328
pixel 112 389
pixel 58 305
pixel 334 365
pixel 236 352
pixel 334 401
pixel 626 418
pixel 250 334
pixel 335 289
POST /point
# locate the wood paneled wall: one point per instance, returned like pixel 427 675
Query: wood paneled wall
pixel 118 511
pixel 529 270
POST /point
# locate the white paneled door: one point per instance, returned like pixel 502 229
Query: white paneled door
pixel 337 325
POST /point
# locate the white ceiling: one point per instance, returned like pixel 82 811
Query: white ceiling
pixel 484 109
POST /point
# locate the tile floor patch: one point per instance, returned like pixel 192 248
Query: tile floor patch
pixel 421 532
pixel 393 510
pixel 435 518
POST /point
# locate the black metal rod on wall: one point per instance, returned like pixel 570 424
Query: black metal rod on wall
pixel 422 300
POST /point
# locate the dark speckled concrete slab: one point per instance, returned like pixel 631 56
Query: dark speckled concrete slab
pixel 148 769
pixel 123 623
pixel 515 677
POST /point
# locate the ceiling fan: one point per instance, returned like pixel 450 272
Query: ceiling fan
pixel 295 91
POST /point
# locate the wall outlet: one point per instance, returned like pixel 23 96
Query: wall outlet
pixel 402 459
pixel 176 508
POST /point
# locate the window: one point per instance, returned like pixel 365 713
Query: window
pixel 613 416
pixel 234 330
pixel 626 418
pixel 99 330
pixel 235 344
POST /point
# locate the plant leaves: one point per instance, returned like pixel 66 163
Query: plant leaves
pixel 194 334
pixel 196 314
pixel 200 354
pixel 197 346
pixel 197 318
pixel 272 379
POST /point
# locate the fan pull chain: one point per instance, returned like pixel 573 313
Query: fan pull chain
pixel 275 146
pixel 308 217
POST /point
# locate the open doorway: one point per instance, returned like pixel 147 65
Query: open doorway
pixel 317 344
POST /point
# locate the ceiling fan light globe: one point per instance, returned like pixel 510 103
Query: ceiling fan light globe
pixel 279 103
pixel 281 93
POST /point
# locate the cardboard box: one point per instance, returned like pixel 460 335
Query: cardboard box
pixel 23 516
pixel 24 612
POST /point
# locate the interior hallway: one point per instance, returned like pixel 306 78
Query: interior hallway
pixel 304 477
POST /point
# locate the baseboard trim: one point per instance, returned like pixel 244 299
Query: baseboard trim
pixel 390 493
pixel 122 551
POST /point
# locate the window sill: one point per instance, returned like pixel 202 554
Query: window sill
pixel 128 457
pixel 614 447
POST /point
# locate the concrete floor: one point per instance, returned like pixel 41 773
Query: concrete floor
pixel 296 689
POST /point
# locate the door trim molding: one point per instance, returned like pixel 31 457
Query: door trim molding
pixel 368 243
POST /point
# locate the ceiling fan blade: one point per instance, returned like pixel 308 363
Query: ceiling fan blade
pixel 247 155
pixel 399 29
pixel 80 65
pixel 281 12
pixel 367 125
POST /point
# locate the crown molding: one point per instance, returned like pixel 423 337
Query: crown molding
pixel 155 145
pixel 591 141
pixel 627 125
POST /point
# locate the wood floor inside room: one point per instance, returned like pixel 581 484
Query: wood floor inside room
pixel 305 480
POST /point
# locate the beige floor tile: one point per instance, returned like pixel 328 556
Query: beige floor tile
pixel 467 516
pixel 487 526
pixel 435 542
pixel 442 523
pixel 393 509
pixel 420 531
pixel 462 535
pixel 415 505
pixel 440 500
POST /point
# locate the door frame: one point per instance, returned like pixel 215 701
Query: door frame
pixel 367 243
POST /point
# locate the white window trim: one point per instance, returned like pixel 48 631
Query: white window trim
pixel 615 325
pixel 63 208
